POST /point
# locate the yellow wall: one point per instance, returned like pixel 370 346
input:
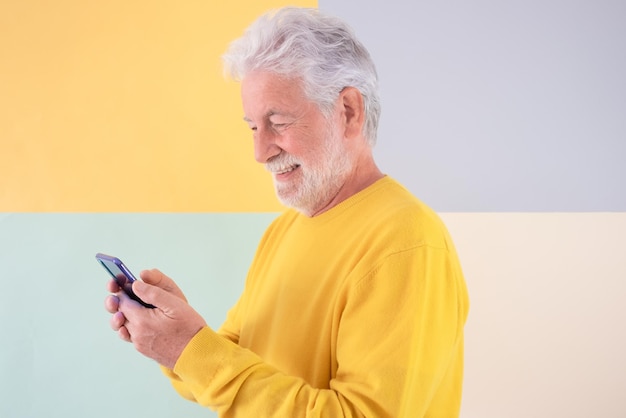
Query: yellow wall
pixel 122 106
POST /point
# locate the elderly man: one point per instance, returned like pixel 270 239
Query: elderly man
pixel 355 303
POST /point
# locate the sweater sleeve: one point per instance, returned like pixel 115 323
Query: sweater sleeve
pixel 229 330
pixel 399 344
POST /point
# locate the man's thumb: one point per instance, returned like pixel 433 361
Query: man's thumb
pixel 154 295
pixel 156 278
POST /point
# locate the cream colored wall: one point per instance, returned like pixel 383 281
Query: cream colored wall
pixel 546 334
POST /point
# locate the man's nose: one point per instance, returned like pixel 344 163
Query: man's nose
pixel 265 146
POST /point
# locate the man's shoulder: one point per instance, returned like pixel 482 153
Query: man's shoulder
pixel 394 210
pixel 391 199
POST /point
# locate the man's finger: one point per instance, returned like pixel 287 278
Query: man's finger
pixel 156 278
pixel 111 303
pixel 117 321
pixel 112 286
pixel 124 334
pixel 161 298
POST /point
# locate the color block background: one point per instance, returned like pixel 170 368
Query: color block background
pixel 119 134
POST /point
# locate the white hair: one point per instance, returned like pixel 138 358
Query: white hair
pixel 319 49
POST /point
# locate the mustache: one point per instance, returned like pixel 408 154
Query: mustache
pixel 281 162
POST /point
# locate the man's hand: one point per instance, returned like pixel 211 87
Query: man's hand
pixel 158 279
pixel 161 333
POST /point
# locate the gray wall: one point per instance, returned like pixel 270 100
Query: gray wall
pixel 500 105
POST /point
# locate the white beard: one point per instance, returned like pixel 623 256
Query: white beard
pixel 318 183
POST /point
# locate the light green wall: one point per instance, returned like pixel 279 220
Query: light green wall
pixel 58 356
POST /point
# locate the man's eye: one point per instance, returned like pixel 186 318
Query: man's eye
pixel 280 126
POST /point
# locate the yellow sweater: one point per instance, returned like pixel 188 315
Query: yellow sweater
pixel 357 312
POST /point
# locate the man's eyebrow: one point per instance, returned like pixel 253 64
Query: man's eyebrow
pixel 267 115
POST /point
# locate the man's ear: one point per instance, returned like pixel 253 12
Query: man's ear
pixel 352 112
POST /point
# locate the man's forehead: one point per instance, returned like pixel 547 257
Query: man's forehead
pixel 268 94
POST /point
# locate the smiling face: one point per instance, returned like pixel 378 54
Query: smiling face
pixel 304 151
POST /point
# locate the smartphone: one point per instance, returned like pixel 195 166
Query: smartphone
pixel 121 274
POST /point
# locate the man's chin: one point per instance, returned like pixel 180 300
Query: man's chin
pixel 293 202
pixel 287 200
